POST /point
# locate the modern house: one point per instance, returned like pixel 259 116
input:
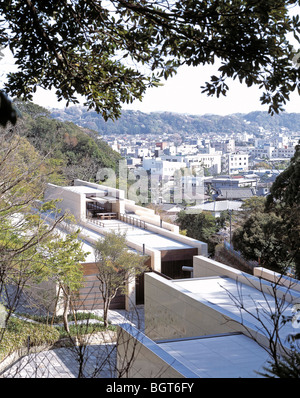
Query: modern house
pixel 99 209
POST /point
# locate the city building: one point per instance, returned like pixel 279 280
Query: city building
pixel 225 146
pixel 235 163
pixel 162 168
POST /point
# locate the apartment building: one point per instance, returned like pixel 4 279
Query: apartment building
pixel 209 161
pixel 228 182
pixel 280 147
pixel 235 162
pixel 225 146
pixel 161 167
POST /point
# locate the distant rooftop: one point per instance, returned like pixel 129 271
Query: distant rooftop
pixel 221 205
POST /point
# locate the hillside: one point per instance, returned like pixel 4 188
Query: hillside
pixel 136 122
pixel 79 151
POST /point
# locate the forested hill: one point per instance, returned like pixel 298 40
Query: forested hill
pixel 136 122
pixel 79 151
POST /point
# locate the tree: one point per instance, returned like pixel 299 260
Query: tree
pixel 111 52
pixel 201 226
pixel 8 112
pixel 271 232
pixel 284 200
pixel 252 205
pixel 285 190
pixel 24 227
pixel 261 239
pixel 76 152
pixel 62 264
pixel 116 267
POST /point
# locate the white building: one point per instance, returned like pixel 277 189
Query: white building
pixel 212 162
pixel 265 152
pixel 162 168
pixel 225 146
pixel 99 209
pixel 235 163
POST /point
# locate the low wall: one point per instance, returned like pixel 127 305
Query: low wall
pixel 172 312
pixel 149 360
pixel 202 247
pixel 117 193
pixel 149 216
pixel 275 277
pixel 45 294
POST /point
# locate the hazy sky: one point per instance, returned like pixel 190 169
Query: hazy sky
pixel 182 94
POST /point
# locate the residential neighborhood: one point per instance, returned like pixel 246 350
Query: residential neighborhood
pixel 211 168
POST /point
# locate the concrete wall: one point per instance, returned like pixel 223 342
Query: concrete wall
pixel 45 294
pixel 202 247
pixel 118 206
pixel 149 216
pixel 150 360
pixel 172 312
pixel 275 277
pixel 117 193
pixel 73 202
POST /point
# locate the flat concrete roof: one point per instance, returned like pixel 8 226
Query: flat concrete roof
pixel 155 241
pixel 226 293
pixel 84 189
pixel 138 235
pixel 219 356
pixel 221 205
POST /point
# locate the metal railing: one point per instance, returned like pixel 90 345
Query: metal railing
pixel 132 220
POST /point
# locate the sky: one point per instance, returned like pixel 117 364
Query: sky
pixel 182 94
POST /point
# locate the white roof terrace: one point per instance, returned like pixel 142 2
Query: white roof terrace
pixel 134 234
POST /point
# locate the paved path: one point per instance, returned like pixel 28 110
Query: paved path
pixel 99 359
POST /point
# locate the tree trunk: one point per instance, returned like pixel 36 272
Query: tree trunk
pixel 105 312
pixel 66 311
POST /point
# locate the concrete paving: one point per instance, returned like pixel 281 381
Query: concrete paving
pixel 99 359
